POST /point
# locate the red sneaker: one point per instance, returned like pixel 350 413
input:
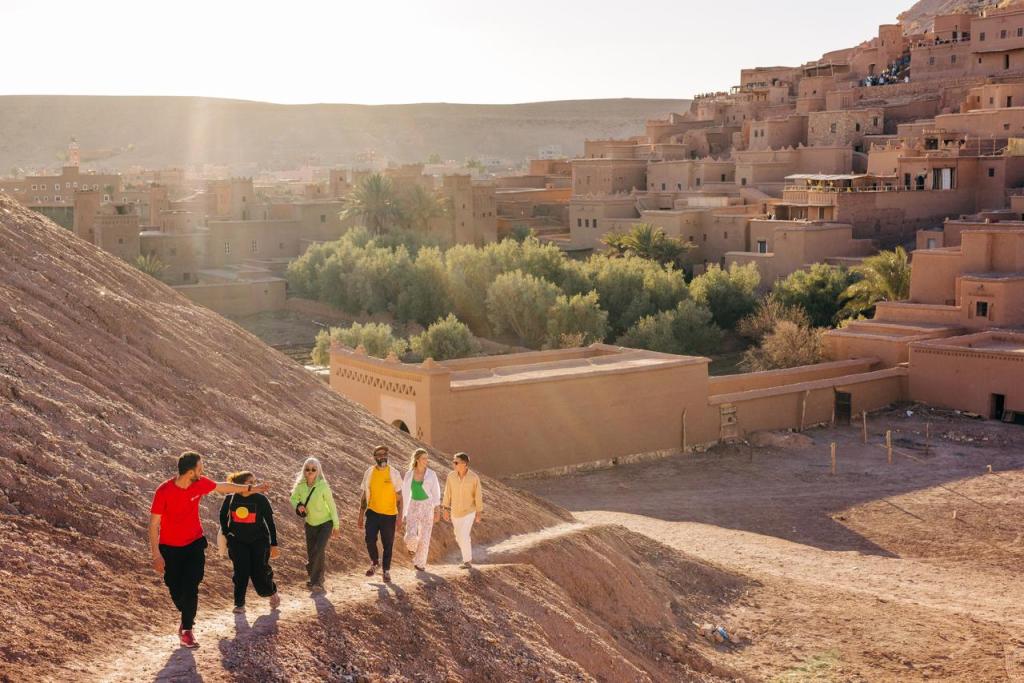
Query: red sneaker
pixel 187 639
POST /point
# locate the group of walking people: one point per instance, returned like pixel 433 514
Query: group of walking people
pixel 389 501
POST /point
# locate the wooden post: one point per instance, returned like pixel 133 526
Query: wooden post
pixel 683 435
pixel 833 458
pixel 864 424
pixel 803 408
pixel 888 444
pixel 928 437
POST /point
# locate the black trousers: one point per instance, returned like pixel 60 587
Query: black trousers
pixel 183 572
pixel 316 551
pixel 251 562
pixel 383 525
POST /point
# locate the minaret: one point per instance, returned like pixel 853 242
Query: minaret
pixel 73 154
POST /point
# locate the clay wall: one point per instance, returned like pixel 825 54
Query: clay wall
pixel 837 128
pixel 118 234
pixel 728 384
pixel 183 254
pixel 608 176
pixel 777 133
pixel 237 298
pixel 947 373
pixel 235 241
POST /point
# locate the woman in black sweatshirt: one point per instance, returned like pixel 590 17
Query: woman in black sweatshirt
pixel 247 521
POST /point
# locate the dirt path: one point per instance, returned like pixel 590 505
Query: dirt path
pixel 866 575
pixel 157 657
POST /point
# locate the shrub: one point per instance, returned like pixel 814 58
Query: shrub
pixel 730 294
pixel 767 315
pixel 445 339
pixel 376 338
pixel 519 303
pixel 788 346
pixel 578 319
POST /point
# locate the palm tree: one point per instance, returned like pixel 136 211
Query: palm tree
pixel 374 201
pixel 884 277
pixel 150 265
pixel 649 242
pixel 421 207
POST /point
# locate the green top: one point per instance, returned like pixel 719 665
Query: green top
pixel 417 490
pixel 321 506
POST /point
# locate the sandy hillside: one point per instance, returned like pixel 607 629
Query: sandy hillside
pixel 106 375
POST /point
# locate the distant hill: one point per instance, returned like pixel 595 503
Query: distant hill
pixel 162 131
pixel 919 17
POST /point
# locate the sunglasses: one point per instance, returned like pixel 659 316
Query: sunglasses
pixel 311 469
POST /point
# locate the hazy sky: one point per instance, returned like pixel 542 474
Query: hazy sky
pixel 397 51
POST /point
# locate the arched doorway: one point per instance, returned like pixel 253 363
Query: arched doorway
pixel 401 425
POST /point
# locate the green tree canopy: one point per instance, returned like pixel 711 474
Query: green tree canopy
pixel 519 303
pixel 686 330
pixel 577 320
pixel 788 345
pixel 730 294
pixel 817 290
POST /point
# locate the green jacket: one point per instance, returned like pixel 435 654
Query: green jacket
pixel 321 507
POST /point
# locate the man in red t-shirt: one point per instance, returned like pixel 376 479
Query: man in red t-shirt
pixel 176 538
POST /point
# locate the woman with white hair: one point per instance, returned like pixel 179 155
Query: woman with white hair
pixel 312 500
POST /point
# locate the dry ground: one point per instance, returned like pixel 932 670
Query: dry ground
pixel 861 576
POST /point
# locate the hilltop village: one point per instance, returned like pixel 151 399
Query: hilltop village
pixel 912 141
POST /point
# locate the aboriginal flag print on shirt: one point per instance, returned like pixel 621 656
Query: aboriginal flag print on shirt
pixel 243 515
pixel 248 519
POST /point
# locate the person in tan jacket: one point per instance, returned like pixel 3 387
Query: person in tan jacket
pixel 463 504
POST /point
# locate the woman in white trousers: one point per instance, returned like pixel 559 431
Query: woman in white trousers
pixel 422 490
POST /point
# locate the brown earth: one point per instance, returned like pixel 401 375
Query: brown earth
pixel 862 576
pixel 921 15
pixel 106 375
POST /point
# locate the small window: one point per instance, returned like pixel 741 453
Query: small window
pixel 595 222
pixel 254 246
pixel 227 248
pixel 579 222
pixel 280 245
pixel 323 218
pixel 586 223
pixel 991 172
pixel 57 198
pixel 1002 34
pixel 743 181
pixel 931 61
pixel 174 251
pixel 679 186
pixel 832 128
pixel 874 122
pixel 120 240
pixel 725 235
pixel 106 197
pixel 952 59
pixel 762 246
pixel 856 127
pixel 698 182
pixel 56 186
pixel 705 237
pixel 67 186
pixel 981 36
pixel 981 309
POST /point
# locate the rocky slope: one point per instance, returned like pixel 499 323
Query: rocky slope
pixel 920 16
pixel 163 131
pixel 106 375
